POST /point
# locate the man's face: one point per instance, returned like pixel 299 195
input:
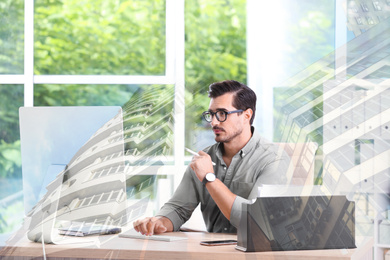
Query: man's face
pixel 231 128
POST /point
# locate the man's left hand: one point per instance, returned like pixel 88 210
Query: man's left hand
pixel 201 165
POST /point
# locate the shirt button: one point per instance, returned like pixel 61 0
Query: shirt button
pixel 225 229
pixel 224 168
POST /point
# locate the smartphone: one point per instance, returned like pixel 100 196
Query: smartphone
pixel 219 242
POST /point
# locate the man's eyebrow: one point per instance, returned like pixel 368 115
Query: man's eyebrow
pixel 218 109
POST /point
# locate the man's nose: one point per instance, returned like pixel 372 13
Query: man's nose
pixel 214 121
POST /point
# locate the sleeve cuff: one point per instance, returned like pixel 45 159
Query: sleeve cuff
pixel 173 217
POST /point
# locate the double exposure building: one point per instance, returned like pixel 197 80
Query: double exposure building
pixel 342 102
pixel 110 179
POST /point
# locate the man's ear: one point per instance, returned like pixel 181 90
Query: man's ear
pixel 248 113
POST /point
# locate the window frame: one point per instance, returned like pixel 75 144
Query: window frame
pixel 174 72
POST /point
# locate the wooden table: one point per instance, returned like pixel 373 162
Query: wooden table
pixel 114 247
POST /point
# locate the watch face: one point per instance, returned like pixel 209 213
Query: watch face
pixel 210 176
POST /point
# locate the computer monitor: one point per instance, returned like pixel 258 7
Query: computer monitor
pixel 73 168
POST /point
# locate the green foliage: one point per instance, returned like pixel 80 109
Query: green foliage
pixel 11 98
pixel 11 36
pixel 99 37
pixel 127 37
pixel 82 95
pixel 84 37
pixel 215 50
pixel 10 160
pixel 311 36
pixel 11 217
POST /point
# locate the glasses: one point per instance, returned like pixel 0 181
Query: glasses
pixel 221 115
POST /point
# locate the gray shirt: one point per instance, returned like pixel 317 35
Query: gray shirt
pixel 258 162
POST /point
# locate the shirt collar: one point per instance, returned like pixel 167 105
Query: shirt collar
pixel 251 143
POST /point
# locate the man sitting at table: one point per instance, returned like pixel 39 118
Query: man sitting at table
pixel 243 161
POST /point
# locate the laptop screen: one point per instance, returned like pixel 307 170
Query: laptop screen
pixel 297 223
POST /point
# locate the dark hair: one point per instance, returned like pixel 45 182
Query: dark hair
pixel 244 97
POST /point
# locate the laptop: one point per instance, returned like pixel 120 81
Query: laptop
pixel 73 171
pixel 297 223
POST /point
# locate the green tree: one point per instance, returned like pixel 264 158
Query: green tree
pixel 11 36
pixel 96 38
pixel 11 96
pixel 84 37
pixel 215 50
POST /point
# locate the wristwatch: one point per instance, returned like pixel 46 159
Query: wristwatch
pixel 210 177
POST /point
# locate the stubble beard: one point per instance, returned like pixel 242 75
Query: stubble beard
pixel 229 138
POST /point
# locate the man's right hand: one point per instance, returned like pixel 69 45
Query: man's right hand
pixel 153 225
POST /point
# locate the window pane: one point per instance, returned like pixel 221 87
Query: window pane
pixel 147 111
pixel 308 34
pixel 11 37
pixel 11 195
pixel 11 98
pixel 215 50
pixel 96 37
pixel 82 95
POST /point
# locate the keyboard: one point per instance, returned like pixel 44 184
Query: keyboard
pixel 154 237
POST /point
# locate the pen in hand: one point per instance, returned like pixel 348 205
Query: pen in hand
pixel 195 153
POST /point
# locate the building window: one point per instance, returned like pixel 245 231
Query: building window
pixel 370 20
pixel 364 7
pixel 376 5
pixel 358 20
